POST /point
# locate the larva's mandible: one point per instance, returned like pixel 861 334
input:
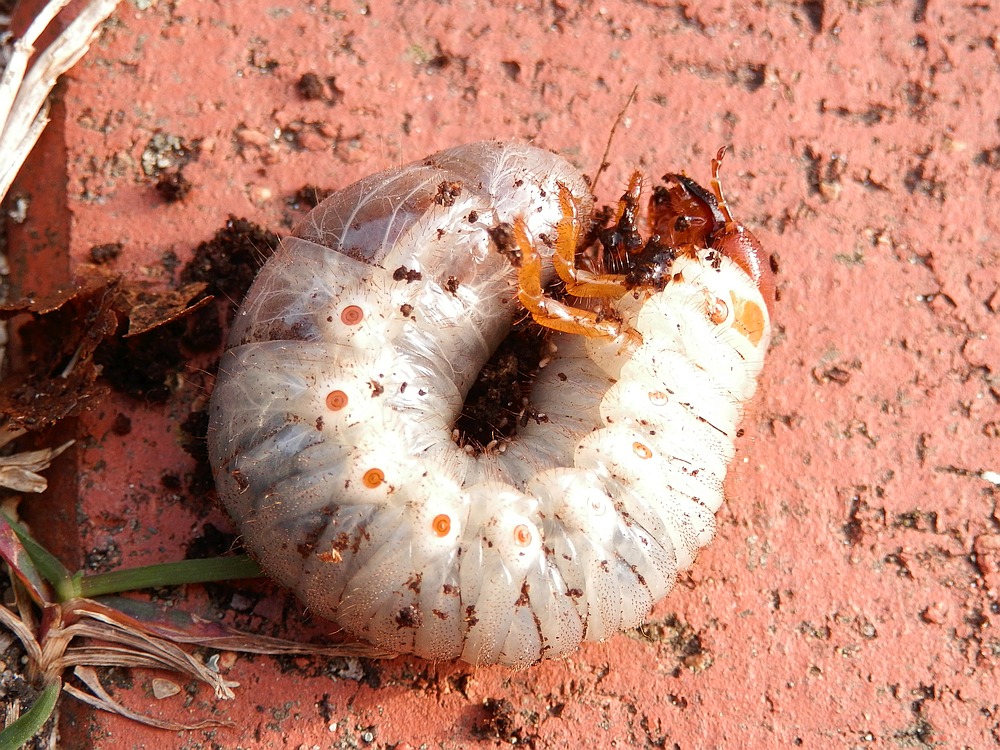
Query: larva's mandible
pixel 349 361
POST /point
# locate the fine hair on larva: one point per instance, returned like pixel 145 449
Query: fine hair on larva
pixel 332 418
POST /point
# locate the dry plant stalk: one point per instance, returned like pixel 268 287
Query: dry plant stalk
pixel 24 92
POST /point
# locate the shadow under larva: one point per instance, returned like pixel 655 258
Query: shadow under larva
pixel 351 357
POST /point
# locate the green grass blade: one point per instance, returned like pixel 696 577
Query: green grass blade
pixel 46 563
pixel 167 574
pixel 32 720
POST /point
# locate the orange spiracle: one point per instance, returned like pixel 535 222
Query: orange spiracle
pixel 352 315
pixel 641 450
pixel 718 311
pixel 373 478
pixel 336 400
pixel 441 524
pixel 522 535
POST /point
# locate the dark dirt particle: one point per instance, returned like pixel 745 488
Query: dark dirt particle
pixel 683 640
pixel 173 186
pixel 511 69
pixel 171 481
pixel 447 193
pixel 751 76
pixel 833 374
pixel 203 333
pixel 499 720
pixel 310 87
pixel 409 617
pixel 853 528
pixel 227 264
pixel 406 274
pixel 503 238
pixel 140 367
pixel 230 260
pixel 814 13
pixel 988 158
pixel 213 542
pixel 101 254
pixel 921 179
pixel 310 196
pixel 122 425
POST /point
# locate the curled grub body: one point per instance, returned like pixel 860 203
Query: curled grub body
pixel 348 364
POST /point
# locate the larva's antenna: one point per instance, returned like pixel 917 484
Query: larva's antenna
pixel 611 136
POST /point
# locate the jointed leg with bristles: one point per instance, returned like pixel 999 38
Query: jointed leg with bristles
pixel 581 283
pixel 552 313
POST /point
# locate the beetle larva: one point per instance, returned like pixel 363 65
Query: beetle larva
pixel 349 361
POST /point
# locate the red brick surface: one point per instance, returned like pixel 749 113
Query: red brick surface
pixel 851 597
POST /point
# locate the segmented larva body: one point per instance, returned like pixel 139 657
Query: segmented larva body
pixel 348 364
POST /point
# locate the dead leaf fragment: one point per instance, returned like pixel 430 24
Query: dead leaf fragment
pixel 19 472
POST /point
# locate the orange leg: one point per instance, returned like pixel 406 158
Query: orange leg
pixel 551 313
pixel 580 283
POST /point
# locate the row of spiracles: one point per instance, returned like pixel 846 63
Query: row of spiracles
pixel 333 416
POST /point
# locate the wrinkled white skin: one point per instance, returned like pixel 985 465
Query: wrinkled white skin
pixel 573 532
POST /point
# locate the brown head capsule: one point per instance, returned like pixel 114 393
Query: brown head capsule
pixel 686 215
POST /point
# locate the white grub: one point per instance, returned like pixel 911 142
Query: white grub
pixel 365 505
